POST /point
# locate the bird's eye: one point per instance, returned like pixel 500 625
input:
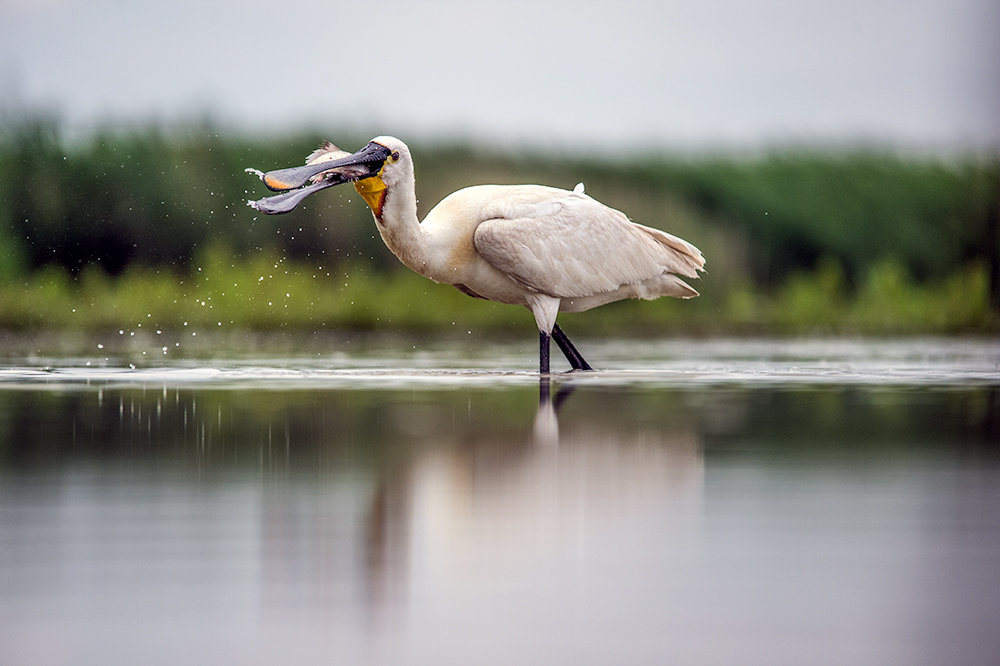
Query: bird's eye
pixel 395 156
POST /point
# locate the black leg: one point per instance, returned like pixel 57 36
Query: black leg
pixel 574 357
pixel 543 353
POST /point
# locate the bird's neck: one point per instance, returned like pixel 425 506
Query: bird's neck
pixel 395 211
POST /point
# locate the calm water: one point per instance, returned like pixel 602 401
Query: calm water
pixel 711 502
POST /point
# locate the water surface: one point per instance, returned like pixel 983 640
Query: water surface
pixel 697 502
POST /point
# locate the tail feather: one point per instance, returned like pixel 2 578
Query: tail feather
pixel 688 256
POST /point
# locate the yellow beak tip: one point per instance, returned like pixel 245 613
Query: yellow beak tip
pixel 275 184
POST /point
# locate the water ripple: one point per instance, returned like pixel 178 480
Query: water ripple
pixel 673 363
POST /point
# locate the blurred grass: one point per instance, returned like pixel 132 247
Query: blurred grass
pixel 265 292
pixel 148 230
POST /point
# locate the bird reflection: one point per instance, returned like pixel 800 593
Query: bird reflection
pixel 546 430
pixel 471 501
pixel 451 501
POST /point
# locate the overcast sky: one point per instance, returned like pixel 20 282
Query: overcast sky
pixel 680 74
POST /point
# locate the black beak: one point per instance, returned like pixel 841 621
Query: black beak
pixel 292 182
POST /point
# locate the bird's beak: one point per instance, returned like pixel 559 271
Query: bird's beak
pixel 293 182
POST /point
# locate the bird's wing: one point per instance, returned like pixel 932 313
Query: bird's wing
pixel 568 245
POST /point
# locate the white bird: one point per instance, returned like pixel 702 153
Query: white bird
pixel 547 249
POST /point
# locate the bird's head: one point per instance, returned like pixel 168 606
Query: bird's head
pixel 397 166
pixel 375 168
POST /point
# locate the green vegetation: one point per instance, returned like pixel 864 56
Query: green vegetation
pixel 149 231
pixel 266 292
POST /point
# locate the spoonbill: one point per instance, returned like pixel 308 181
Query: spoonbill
pixel 548 249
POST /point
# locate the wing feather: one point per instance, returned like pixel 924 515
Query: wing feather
pixel 568 245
